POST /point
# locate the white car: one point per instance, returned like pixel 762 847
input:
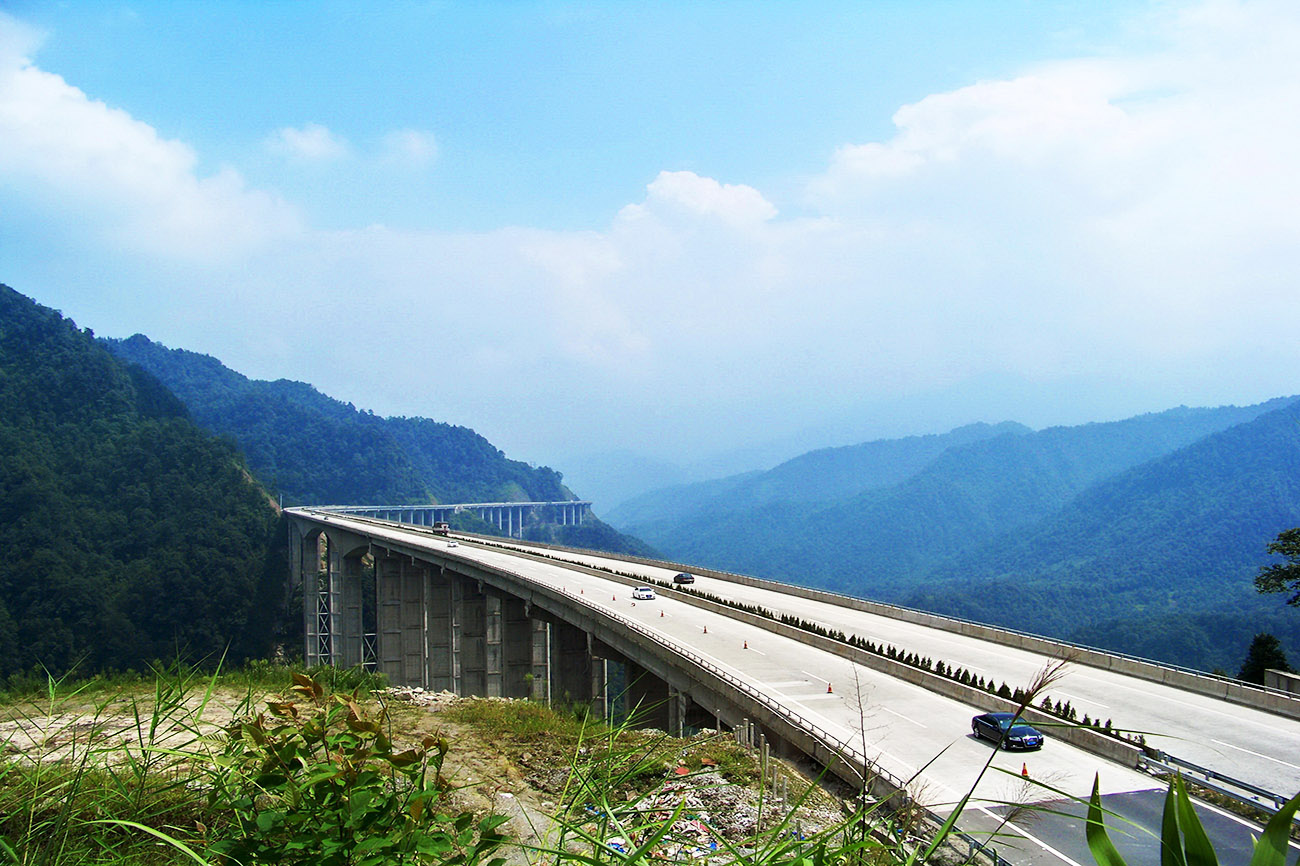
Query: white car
pixel 453 544
pixel 644 593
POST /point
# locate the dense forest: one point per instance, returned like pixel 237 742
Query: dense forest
pixel 315 450
pixel 129 533
pixel 1140 535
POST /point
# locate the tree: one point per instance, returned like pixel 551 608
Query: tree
pixel 1265 653
pixel 1283 576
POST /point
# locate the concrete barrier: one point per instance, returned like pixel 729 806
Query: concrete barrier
pixel 1276 701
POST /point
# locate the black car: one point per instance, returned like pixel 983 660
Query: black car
pixel 684 577
pixel 998 728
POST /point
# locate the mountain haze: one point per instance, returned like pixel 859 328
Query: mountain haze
pixel 943 530
pixel 315 450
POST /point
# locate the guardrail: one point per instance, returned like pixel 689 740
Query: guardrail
pixel 1277 701
pixel 1260 798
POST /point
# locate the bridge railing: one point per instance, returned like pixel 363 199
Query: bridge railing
pixel 864 769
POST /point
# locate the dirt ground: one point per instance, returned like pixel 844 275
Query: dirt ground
pixel 485 778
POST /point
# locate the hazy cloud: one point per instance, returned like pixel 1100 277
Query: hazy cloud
pixel 79 159
pixel 1116 218
pixel 409 147
pixel 311 143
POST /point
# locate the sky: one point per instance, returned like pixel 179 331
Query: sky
pixel 704 234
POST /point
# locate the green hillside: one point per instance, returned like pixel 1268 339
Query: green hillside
pixel 1156 561
pixel 129 533
pixel 312 449
pixel 884 539
pixel 315 450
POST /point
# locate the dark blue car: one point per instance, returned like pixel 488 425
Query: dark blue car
pixel 998 728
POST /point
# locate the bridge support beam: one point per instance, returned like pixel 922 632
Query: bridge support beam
pixel 400 587
pixel 571 664
pixel 349 643
pixel 649 703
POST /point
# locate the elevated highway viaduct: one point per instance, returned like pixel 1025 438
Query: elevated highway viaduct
pixel 484 620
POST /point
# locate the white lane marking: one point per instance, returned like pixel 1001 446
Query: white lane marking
pixel 1039 842
pixel 1073 698
pixel 814 676
pixel 903 717
pixel 821 697
pixel 786 685
pixel 759 652
pixel 1256 754
pixel 1250 825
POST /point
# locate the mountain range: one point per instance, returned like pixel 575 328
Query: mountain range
pixel 1119 534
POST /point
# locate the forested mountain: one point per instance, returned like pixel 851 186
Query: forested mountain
pixel 315 450
pixel 975 500
pixel 818 477
pixel 1156 561
pixel 312 449
pixel 129 533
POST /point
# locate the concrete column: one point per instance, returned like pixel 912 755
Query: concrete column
pixel 517 649
pixel 493 649
pixel 400 587
pixel 647 699
pixel 473 639
pixel 571 664
pixel 331 604
pixel 315 601
pixel 441 625
pixel 541 640
pixel 600 697
pixel 348 637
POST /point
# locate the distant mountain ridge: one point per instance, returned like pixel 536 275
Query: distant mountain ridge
pixel 315 450
pixel 921 538
pixel 1128 561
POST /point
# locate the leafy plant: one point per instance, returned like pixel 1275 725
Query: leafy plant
pixel 1183 841
pixel 319 781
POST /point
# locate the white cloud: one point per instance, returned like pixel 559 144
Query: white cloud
pixel 1102 219
pixel 312 143
pixel 79 159
pixel 410 147
pixel 678 193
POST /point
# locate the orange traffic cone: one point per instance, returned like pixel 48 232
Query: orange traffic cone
pixel 613 598
pixel 706 629
pixel 1024 770
pixel 661 613
pixel 828 689
pixel 746 644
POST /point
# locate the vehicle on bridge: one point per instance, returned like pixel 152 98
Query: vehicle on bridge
pixel 442 527
pixel 644 593
pixel 683 577
pixel 999 728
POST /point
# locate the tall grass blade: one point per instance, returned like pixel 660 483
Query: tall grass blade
pixel 1271 848
pixel 1196 845
pixel 158 834
pixel 1171 840
pixel 1103 850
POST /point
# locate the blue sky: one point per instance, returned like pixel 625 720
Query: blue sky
pixel 678 229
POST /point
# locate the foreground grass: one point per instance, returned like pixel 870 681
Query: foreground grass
pixel 266 766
